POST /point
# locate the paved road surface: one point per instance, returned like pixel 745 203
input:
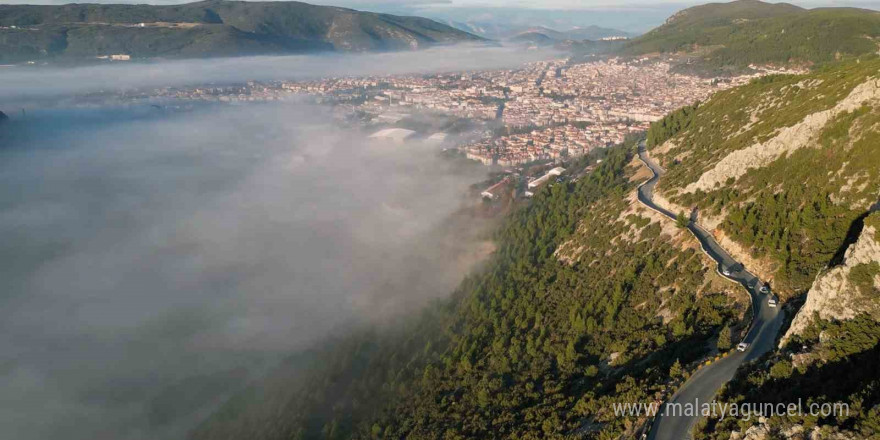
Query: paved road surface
pixel 702 386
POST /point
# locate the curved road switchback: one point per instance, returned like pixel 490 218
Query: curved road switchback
pixel 701 386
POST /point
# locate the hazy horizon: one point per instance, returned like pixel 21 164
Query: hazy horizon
pixel 21 86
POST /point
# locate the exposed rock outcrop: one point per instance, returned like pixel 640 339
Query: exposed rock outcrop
pixel 764 431
pixel 787 140
pixel 757 432
pixel 834 295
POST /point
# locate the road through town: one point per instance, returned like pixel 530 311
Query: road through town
pixel 702 385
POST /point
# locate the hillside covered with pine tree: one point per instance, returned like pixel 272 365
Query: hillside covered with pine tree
pixel 722 38
pixel 786 172
pixel 590 299
pixel 208 28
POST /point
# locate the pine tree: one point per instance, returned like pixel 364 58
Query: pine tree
pixel 724 339
pixel 681 220
pixel 675 370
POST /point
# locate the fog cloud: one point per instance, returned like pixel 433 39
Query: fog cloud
pixel 154 261
pixel 40 81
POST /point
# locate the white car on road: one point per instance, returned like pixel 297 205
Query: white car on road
pixel 765 289
pixel 772 302
pixel 726 271
pixel 742 346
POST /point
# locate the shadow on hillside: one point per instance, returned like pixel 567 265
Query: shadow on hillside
pixel 852 235
pixel 832 382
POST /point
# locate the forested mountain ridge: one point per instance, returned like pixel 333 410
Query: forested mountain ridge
pixel 724 38
pixel 786 170
pixel 590 299
pixel 779 168
pixel 207 28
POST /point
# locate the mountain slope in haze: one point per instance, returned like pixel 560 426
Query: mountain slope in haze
pixel 503 23
pixel 590 299
pixel 726 37
pixel 536 38
pixel 585 33
pixel 209 28
pixel 591 39
pixel 578 41
pixel 595 33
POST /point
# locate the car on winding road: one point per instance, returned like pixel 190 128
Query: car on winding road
pixel 732 269
pixel 761 335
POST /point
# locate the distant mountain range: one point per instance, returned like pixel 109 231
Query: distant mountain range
pixel 580 33
pixel 541 35
pixel 498 23
pixel 208 28
pixel 730 36
pixel 536 33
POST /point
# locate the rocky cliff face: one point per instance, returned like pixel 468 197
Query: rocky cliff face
pixel 786 141
pixel 845 291
pixel 779 168
pixel 763 431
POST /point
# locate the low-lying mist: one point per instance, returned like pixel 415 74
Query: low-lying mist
pixel 18 83
pixel 152 257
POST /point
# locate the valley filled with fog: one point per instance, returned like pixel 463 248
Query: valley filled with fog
pixel 156 260
pixel 235 220
pixel 26 85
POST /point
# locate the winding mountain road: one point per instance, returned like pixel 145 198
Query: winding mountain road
pixel 701 386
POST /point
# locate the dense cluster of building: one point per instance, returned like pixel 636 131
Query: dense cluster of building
pixel 465 95
pixel 546 110
pixel 562 110
pixel 553 109
pixel 553 143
